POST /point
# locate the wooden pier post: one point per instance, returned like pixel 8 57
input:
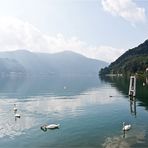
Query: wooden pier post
pixel 133 106
pixel 132 86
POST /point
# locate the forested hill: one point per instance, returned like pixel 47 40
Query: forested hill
pixel 132 61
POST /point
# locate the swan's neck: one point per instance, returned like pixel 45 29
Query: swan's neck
pixel 123 124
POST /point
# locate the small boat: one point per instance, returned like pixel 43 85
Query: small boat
pixel 50 126
pixel 126 127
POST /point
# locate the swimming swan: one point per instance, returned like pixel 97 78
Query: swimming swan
pixel 126 127
pixel 50 126
pixel 14 109
pixel 17 115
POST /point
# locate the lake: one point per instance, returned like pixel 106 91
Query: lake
pixel 90 112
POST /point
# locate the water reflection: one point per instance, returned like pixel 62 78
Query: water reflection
pixel 37 110
pixel 122 84
pixel 24 87
pixel 131 139
pixel 86 112
pixel 133 106
pixel 9 125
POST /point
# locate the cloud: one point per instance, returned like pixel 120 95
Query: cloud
pixel 126 9
pixel 16 34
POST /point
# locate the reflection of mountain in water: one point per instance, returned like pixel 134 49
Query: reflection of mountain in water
pixel 122 84
pixel 37 86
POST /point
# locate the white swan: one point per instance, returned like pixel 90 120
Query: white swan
pixel 15 109
pixel 17 115
pixel 126 127
pixel 50 126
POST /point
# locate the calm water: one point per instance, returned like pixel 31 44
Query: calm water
pixel 88 116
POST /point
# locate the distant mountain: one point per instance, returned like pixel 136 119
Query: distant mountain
pixel 10 66
pixel 64 63
pixel 133 61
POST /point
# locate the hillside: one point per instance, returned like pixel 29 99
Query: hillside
pixel 133 61
pixel 64 63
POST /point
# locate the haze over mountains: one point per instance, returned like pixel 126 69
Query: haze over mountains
pixel 24 62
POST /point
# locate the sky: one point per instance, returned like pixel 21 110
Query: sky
pixel 98 29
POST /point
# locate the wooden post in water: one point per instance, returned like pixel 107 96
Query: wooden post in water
pixel 132 86
pixel 133 106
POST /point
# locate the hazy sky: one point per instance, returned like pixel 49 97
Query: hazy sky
pixel 100 29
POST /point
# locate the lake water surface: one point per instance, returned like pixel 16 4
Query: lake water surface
pixel 90 112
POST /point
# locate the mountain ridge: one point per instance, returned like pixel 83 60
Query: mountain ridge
pixel 67 62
